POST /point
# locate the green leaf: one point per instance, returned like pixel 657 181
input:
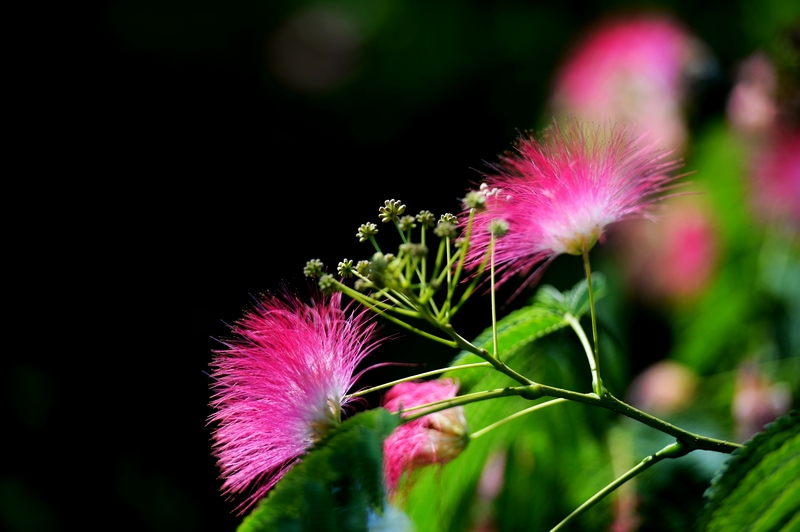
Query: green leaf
pixel 335 485
pixel 544 316
pixel 758 487
pixel 574 301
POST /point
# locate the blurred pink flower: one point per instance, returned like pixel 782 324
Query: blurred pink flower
pixel 664 388
pixel 757 400
pixel 433 439
pixel 490 485
pixel 671 261
pixel 558 194
pixel 280 385
pixel 775 186
pixel 751 105
pixel 632 69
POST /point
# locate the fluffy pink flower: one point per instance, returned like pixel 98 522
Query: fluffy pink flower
pixel 757 400
pixel 664 388
pixel 558 194
pixel 776 178
pixel 632 69
pixel 280 385
pixel 673 261
pixel 433 439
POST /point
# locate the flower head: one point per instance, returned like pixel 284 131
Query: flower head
pixel 632 68
pixel 665 387
pixel 560 192
pixel 674 261
pixel 757 399
pixel 435 438
pixel 775 178
pixel 280 385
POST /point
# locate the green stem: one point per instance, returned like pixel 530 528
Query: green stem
pixel 424 260
pixel 461 400
pixel 452 281
pixel 610 402
pixel 449 276
pixel 434 307
pixel 484 354
pixel 673 450
pixel 494 306
pixel 467 293
pixel 472 285
pixel 414 267
pixel 384 292
pixel 465 247
pixel 534 391
pixel 437 265
pixel 576 326
pixel 374 303
pixel 374 243
pixel 597 382
pixel 402 234
pixel 399 296
pixel 367 303
pixel 451 260
pixel 418 376
pixel 479 433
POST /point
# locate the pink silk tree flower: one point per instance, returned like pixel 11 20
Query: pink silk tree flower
pixel 775 178
pixel 280 386
pixel 557 194
pixel 635 69
pixel 433 439
pixel 674 261
pixel 757 399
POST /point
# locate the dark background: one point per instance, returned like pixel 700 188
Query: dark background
pixel 170 169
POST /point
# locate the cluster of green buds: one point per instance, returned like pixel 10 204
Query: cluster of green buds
pixel 428 260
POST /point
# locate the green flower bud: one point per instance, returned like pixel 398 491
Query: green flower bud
pixel 475 200
pixel 327 284
pixel 313 268
pixel 378 273
pixel 365 231
pixel 345 268
pixel 391 210
pixel 445 230
pixel 426 218
pixel 498 227
pixel 378 263
pixel 449 218
pixel 407 223
pixel 415 250
pixel 363 267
